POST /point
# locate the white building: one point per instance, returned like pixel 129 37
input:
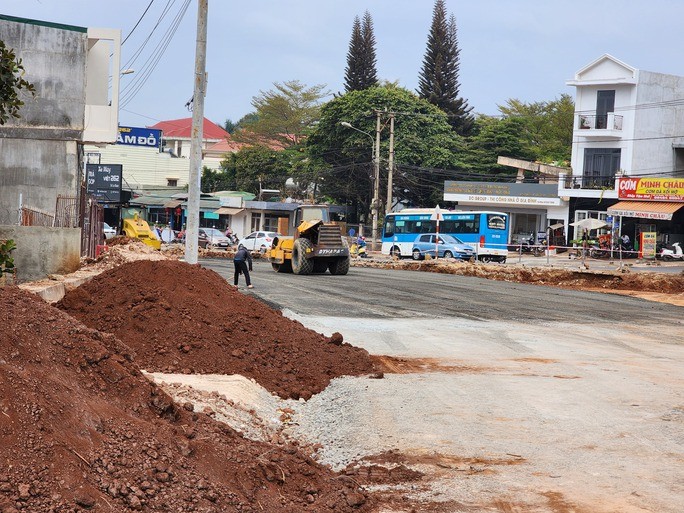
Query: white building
pixel 628 123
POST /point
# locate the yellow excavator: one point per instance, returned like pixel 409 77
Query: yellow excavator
pixel 315 246
pixel 137 228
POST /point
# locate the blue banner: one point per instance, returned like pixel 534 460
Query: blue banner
pixel 135 136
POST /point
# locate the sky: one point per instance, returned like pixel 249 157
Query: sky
pixel 523 49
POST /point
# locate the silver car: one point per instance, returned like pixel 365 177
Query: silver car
pixel 215 239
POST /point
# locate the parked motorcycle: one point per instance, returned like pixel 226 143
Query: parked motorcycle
pixel 672 253
pixel 529 246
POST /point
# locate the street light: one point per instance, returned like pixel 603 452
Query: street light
pixel 375 158
pixel 127 71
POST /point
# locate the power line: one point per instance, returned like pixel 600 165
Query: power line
pixel 138 23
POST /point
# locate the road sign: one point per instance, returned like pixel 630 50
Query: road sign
pixel 437 215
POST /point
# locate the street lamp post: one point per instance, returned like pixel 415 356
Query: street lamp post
pixel 375 158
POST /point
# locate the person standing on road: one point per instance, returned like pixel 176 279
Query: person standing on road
pixel 243 264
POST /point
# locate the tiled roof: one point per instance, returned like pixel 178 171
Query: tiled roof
pixel 183 128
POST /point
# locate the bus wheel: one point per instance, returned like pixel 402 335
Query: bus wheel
pixel 485 259
pixel 395 252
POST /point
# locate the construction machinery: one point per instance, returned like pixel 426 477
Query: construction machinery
pixel 315 245
pixel 137 228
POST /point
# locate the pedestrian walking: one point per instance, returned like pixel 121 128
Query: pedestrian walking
pixel 243 264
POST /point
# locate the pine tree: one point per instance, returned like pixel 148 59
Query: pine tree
pixel 360 72
pixel 369 73
pixel 438 80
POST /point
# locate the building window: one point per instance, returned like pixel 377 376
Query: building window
pixel 605 103
pixel 600 166
pixel 172 182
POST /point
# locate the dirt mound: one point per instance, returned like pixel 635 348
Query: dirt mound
pixel 184 318
pixel 82 429
pixel 586 280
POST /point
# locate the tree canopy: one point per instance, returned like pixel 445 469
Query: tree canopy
pixel 283 114
pixel 423 139
pixel 12 84
pixel 438 81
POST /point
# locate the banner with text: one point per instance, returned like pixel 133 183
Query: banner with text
pixel 523 194
pixel 135 136
pixel 655 189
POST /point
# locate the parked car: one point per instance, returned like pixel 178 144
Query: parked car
pixel 258 241
pixel 109 232
pixel 212 238
pixel 449 247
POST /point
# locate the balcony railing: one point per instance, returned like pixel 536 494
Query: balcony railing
pixel 608 121
pixel 589 182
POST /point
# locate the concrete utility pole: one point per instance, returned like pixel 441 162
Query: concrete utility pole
pixel 390 165
pixel 194 181
pixel 375 207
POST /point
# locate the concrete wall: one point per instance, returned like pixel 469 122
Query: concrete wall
pixel 54 60
pixel 657 128
pixel 42 251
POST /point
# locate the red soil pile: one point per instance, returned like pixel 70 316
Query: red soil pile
pixel 82 430
pixel 185 318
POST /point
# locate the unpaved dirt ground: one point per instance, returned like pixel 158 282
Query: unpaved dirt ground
pixel 76 406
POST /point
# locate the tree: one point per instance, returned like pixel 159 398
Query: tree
pixel 438 81
pixel 343 157
pixel 547 126
pixel 282 115
pixel 361 72
pixel 12 84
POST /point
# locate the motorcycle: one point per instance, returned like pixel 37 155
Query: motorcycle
pixel 358 248
pixel 529 246
pixel 673 253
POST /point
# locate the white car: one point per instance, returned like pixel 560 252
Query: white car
pixel 109 232
pixel 258 241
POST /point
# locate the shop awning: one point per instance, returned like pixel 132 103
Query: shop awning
pixel 228 211
pixel 645 209
pixel 173 203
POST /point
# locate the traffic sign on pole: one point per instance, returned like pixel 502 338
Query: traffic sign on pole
pixel 437 216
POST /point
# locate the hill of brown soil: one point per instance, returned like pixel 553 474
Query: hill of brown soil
pixel 82 430
pixel 184 318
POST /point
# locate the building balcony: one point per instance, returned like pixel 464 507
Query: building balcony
pixel 599 125
pixel 585 186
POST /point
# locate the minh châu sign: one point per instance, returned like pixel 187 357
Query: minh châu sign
pixel 135 136
pixel 655 189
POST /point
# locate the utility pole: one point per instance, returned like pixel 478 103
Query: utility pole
pixel 390 165
pixel 375 207
pixel 192 229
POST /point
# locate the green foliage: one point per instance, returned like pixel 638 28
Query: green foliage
pixel 493 137
pixel 438 81
pixel 283 115
pixel 546 127
pixel 423 137
pixel 6 260
pixel 252 165
pixel 361 72
pixel 12 84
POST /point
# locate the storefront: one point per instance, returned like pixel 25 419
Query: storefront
pixel 650 205
pixel 531 207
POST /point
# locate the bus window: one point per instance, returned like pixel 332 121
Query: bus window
pixel 389 227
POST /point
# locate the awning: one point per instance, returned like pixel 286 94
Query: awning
pixel 645 209
pixel 229 211
pixel 173 203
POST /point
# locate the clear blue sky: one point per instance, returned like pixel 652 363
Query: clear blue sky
pixel 523 49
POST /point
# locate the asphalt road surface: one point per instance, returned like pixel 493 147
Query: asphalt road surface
pixel 508 397
pixel 367 292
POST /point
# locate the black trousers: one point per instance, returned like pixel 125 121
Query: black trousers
pixel 241 267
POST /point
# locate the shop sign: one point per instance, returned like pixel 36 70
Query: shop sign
pixel 103 181
pixel 135 136
pixel 655 189
pixel 512 194
pixel 648 245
